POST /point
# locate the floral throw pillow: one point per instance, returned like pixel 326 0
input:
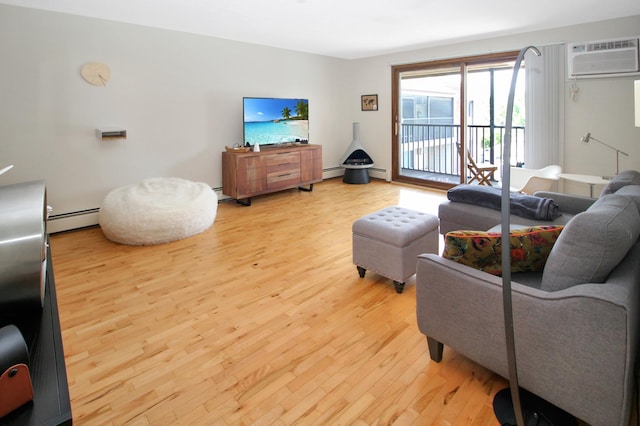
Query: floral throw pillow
pixel 529 248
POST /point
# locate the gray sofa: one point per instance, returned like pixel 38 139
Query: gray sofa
pixel 576 322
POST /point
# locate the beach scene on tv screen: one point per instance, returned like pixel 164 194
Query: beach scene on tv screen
pixel 273 121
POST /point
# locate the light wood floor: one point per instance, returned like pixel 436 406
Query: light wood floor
pixel 262 319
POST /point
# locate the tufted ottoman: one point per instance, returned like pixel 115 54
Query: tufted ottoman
pixel 389 241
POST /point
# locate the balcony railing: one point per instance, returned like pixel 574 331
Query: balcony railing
pixel 432 147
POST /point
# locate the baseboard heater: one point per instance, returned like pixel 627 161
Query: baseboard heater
pixel 72 220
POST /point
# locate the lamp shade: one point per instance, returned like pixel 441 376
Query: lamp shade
pixel 636 91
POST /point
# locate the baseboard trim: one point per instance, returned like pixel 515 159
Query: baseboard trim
pixel 72 220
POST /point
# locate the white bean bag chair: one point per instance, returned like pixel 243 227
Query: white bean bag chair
pixel 157 210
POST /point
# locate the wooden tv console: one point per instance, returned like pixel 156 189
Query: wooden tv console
pixel 247 174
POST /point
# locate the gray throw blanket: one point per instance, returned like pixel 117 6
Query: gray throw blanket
pixel 528 206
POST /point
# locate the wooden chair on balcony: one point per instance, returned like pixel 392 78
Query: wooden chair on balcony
pixel 483 172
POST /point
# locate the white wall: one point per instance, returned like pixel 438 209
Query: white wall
pixel 604 106
pixel 179 96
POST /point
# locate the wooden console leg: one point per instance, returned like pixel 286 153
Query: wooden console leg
pixel 435 349
pixel 246 202
pixel 309 189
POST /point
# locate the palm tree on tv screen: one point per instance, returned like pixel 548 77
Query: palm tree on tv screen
pixel 286 113
pixel 302 110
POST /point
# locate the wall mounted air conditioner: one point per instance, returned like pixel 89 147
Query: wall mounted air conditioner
pixel 603 58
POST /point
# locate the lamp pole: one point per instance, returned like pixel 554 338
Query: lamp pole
pixel 506 252
pixel 6 169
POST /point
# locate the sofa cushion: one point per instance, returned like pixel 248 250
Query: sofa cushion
pixel 592 243
pixel 631 191
pixel 530 248
pixel 624 178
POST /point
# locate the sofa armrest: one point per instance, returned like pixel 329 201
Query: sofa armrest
pixel 568 342
pixel 568 203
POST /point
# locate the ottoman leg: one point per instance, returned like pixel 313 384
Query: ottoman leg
pixel 399 286
pixel 361 271
pixel 435 349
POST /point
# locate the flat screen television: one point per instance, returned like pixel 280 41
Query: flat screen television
pixel 273 121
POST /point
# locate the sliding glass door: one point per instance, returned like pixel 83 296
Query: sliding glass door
pixel 429 124
pixel 444 107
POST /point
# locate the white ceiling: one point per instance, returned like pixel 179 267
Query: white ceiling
pixel 347 29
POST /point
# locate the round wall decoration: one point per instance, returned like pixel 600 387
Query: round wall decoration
pixel 96 73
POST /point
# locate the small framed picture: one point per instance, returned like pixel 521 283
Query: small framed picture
pixel 369 102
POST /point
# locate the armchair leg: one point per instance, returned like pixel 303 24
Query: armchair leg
pixel 435 349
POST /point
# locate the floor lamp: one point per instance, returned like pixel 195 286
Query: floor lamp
pixel 587 137
pixel 513 406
